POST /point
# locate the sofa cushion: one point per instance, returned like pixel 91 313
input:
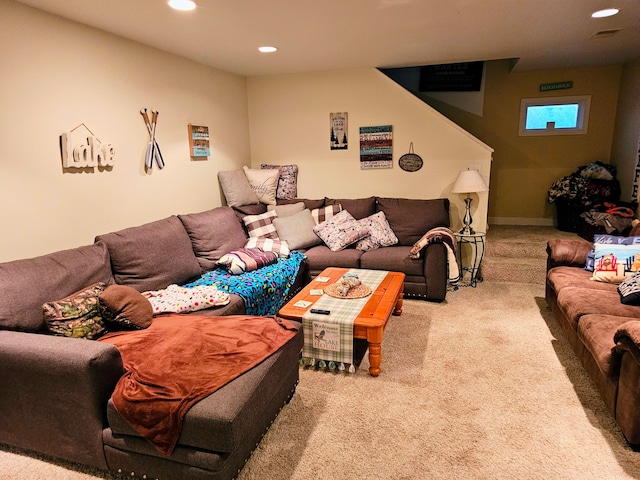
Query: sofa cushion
pixel 411 219
pixel 77 315
pixel 213 233
pixel 320 257
pixel 358 207
pixel 261 225
pixel 153 255
pixel 340 231
pixel 380 233
pixel 27 284
pixel 596 333
pixel 393 259
pixel 236 188
pixel 124 308
pixel 297 230
pixel 287 181
pixel 561 277
pixel 264 183
pixel 308 202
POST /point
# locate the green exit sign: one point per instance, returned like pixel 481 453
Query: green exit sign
pixel 545 87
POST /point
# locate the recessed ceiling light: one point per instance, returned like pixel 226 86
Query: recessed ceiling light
pixel 182 4
pixel 267 49
pixel 607 12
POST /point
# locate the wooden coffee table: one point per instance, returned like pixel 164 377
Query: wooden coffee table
pixel 370 323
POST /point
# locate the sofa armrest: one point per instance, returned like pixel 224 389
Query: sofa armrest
pixel 54 393
pixel 567 252
pixel 627 338
pixel 435 270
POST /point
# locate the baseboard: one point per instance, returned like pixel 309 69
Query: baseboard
pixel 539 222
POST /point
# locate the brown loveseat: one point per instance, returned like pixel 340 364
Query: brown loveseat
pixel 55 391
pixel 604 333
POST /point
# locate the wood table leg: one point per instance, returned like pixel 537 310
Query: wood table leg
pixel 375 357
pixel 398 308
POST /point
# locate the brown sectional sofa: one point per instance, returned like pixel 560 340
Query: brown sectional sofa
pixel 55 391
pixel 604 333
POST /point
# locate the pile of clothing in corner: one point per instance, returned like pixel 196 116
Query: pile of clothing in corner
pixel 592 193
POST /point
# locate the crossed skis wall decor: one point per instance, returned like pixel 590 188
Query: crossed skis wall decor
pixel 153 150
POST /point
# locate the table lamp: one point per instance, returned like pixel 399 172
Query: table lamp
pixel 468 181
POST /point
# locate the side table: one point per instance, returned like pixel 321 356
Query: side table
pixel 476 243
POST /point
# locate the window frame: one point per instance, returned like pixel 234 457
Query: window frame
pixel 582 123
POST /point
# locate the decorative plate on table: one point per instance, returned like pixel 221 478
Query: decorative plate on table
pixel 359 291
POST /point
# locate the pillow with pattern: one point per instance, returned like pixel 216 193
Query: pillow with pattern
pixel 287 180
pixel 261 225
pixel 380 233
pixel 340 231
pixel 77 315
pixel 322 214
pixel 264 183
pixel 279 247
pixel 614 263
pixel 629 290
pixel 608 240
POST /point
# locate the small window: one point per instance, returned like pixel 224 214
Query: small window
pixel 554 115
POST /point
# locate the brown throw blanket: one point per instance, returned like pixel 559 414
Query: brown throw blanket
pixel 181 359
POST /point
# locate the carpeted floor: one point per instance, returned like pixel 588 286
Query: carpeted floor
pixel 481 386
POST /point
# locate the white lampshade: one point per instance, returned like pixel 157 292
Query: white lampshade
pixel 469 181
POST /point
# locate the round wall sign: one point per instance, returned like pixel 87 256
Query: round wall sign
pixel 410 162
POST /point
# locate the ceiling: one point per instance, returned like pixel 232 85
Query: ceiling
pixel 324 35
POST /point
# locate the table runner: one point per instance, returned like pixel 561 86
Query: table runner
pixel 328 339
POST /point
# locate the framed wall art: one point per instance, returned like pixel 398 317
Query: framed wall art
pixel 199 141
pixel 338 125
pixel 376 147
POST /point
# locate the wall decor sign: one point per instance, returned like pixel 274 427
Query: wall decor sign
pixel 80 148
pixel 338 124
pixel 376 147
pixel 410 162
pixel 199 141
pixel 546 87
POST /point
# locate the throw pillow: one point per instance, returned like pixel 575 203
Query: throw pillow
pixel 78 315
pixel 380 233
pixel 279 247
pixel 629 290
pixel 297 230
pixel 323 214
pixel 608 240
pixel 287 210
pixel 244 260
pixel 125 307
pixel 264 183
pixel 261 225
pixel 236 188
pixel 340 231
pixel 287 181
pixel 613 263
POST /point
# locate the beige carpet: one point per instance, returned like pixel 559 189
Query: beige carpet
pixel 482 386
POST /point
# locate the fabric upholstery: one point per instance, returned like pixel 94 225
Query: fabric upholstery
pixel 411 219
pixel 153 255
pixel 308 202
pixel 287 210
pixel 27 284
pixel 125 308
pixel 213 233
pixel 358 207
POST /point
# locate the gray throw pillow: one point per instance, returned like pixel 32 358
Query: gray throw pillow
pixel 297 230
pixel 287 210
pixel 236 188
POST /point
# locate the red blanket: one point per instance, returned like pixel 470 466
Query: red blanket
pixel 180 359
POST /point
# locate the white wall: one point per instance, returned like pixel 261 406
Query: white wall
pixel 58 74
pixel 289 123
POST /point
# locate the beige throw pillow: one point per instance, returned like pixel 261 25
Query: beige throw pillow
pixel 264 183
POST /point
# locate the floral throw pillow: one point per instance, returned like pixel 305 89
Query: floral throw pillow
pixel 78 315
pixel 287 181
pixel 380 233
pixel 340 231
